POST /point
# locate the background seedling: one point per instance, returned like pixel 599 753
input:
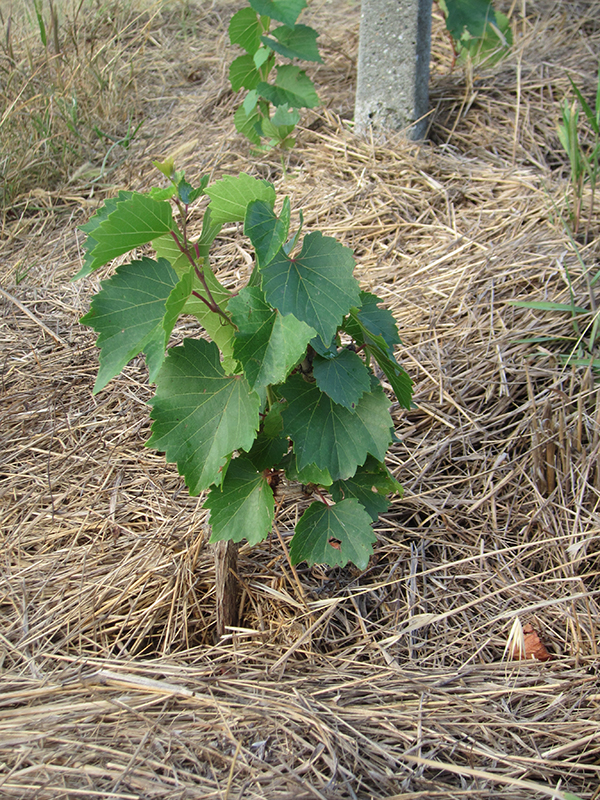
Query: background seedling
pixel 480 35
pixel 291 89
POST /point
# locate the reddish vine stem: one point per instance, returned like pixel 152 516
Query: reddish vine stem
pixel 206 302
pixel 183 249
pixel 211 303
pixel 183 209
pixel 318 491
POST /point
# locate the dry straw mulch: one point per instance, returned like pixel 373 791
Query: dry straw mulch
pixel 390 683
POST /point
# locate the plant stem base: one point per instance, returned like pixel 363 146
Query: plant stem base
pixel 226 585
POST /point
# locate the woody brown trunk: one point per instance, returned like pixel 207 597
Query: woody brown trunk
pixel 226 585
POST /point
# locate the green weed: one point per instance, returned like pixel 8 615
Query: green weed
pixel 583 151
pixel 582 347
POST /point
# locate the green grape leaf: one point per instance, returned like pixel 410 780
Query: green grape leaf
pixel 245 123
pixel 267 451
pixel 376 328
pixel 330 351
pixel 344 378
pixel 472 15
pixel 166 247
pixel 186 192
pixel 155 349
pixel 167 167
pixel 397 377
pixel 285 117
pixel 271 444
pixel 331 436
pixel 265 229
pixel 272 424
pixel 210 231
pixel 229 197
pixel 261 56
pixel 298 42
pixel 370 486
pixel 287 143
pixel 317 286
pixel 243 72
pixel 285 11
pixel 277 135
pixel 176 302
pixel 292 87
pixel 310 474
pixel 90 226
pixel 130 315
pixel 200 414
pixel 162 193
pixel 122 226
pixel 267 344
pixel 489 48
pixel 250 101
pixel 334 535
pixel 243 508
pixel 245 29
pixel 371 321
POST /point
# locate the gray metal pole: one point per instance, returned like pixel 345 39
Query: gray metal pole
pixel 393 65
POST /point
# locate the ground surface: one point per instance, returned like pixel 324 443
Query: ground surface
pixel 390 683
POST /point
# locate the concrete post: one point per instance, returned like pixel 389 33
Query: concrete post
pixel 393 65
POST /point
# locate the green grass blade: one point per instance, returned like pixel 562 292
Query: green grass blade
pixel 591 117
pixel 547 305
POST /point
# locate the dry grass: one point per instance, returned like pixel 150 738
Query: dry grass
pixel 390 683
pixel 64 128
